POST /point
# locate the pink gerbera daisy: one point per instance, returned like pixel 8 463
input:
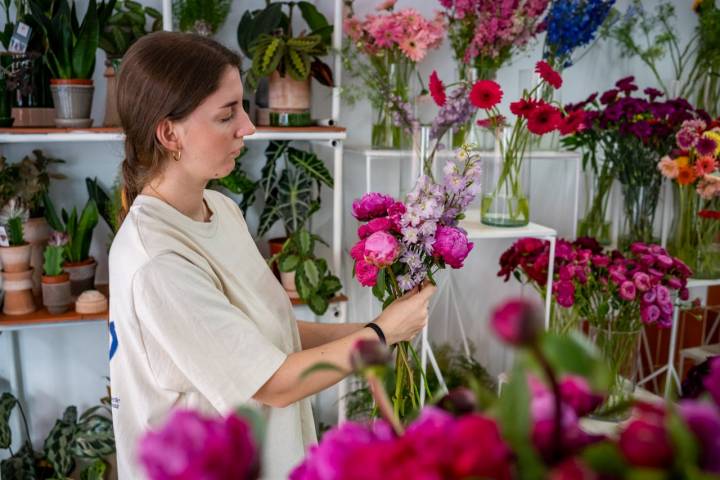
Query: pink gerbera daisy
pixel 705 165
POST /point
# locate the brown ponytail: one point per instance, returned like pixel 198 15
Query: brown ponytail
pixel 164 75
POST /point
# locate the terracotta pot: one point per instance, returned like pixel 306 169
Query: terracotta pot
pixel 56 293
pixel 73 102
pixel 112 118
pixel 16 259
pixel 82 275
pixel 18 293
pixel 36 233
pixel 288 282
pixel 34 117
pixel 287 94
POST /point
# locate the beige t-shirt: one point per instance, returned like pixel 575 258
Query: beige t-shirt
pixel 197 320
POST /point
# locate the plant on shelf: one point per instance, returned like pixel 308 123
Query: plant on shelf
pixel 16 255
pixel 290 185
pixel 79 229
pixel 74 446
pixel 71 48
pixel 386 65
pixel 203 17
pixel 56 293
pixel 288 60
pixel 108 205
pixel 692 167
pixel 238 183
pixel 615 294
pixel 126 25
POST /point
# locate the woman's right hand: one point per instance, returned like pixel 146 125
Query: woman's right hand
pixel 406 316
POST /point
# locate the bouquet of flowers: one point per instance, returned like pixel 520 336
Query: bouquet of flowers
pixel 632 133
pixel 505 202
pixel 403 243
pixel 615 294
pixel 383 53
pixel 691 166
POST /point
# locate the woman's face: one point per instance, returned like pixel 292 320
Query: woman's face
pixel 211 137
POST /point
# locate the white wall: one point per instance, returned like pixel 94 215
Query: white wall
pixel 67 365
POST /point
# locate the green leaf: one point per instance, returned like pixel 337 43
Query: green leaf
pixel 51 214
pixel 304 290
pixel 310 164
pixel 305 243
pixel 316 21
pixel 605 458
pixel 575 354
pixel 256 421
pixel 321 367
pixel 379 288
pixel 330 286
pixel 20 466
pixel 318 304
pixel 94 438
pixel 686 452
pixel 83 54
pixel 269 215
pixel 57 447
pixel 311 272
pixel 7 404
pixel 289 263
pixel 94 471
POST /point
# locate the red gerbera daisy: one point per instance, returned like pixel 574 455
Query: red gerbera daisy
pixel 485 94
pixel 543 119
pixel 547 73
pixel 523 107
pixel 573 122
pixel 437 89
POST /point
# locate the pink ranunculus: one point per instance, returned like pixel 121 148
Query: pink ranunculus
pixel 642 281
pixel 371 205
pixel 576 392
pixel 516 322
pixel 192 446
pixel 381 249
pixel 451 244
pixel 366 273
pixel 564 293
pixel 628 291
pixel 649 314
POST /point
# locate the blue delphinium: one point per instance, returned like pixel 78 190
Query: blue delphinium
pixel 572 24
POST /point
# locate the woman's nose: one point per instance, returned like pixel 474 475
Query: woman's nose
pixel 246 127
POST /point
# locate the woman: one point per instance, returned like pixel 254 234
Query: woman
pixel 198 319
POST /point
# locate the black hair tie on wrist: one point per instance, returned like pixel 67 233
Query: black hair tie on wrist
pixel 378 330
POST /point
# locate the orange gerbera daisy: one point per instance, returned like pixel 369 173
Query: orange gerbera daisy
pixel 686 175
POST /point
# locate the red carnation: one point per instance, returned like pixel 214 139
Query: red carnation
pixel 485 94
pixel 547 73
pixel 572 122
pixel 711 214
pixel 544 119
pixel 437 89
pixel 523 107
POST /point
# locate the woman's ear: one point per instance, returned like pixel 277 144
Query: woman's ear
pixel 168 135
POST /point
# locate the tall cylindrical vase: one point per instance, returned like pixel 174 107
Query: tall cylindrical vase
pixel 506 183
pixel 388 104
pixel 594 222
pixel 708 228
pixel 620 351
pixel 639 206
pixel 683 242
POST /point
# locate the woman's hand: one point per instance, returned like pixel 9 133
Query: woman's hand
pixel 406 316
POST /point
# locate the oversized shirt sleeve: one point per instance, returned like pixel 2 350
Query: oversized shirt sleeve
pixel 216 346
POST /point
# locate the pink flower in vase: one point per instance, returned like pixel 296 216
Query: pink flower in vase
pixel 543 119
pixel 668 167
pixel 381 249
pixel 628 291
pixel 705 165
pixel 549 75
pixel 486 94
pixel 451 244
pixel 437 89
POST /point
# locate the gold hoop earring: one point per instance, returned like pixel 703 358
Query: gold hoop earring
pixel 177 155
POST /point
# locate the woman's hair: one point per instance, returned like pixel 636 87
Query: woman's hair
pixel 162 75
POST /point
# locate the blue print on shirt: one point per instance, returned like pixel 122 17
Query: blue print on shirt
pixel 113 340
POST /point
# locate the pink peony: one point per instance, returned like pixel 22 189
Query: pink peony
pixel 380 224
pixel 516 322
pixel 646 443
pixel 357 252
pixel 451 244
pixel 366 273
pixel 192 446
pixel 381 249
pixel 371 205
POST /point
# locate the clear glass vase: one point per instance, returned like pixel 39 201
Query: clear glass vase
pixel 470 132
pixel 620 351
pixel 684 239
pixel 594 222
pixel 639 206
pixel 708 252
pixel 506 182
pixel 387 132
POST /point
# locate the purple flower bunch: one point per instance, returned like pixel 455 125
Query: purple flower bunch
pixel 412 238
pixel 190 445
pixel 454 113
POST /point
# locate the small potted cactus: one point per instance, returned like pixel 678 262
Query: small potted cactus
pixel 16 256
pixel 55 282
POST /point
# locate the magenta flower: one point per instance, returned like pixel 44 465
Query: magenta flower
pixel 357 252
pixel 706 146
pixel 576 392
pixel 703 420
pixel 371 205
pixel 649 314
pixel 451 244
pixel 627 291
pixel 58 239
pixel 642 281
pixel 193 446
pixel 712 381
pixel 381 249
pixel 663 294
pixel 645 443
pixel 366 273
pixel 380 224
pixel 516 322
pixel 564 293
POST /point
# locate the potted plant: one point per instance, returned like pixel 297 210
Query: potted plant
pixel 79 265
pixel 291 198
pixel 17 274
pixel 108 205
pixel 123 28
pixel 56 282
pixel 203 17
pixel 71 56
pixel 238 183
pixel 289 61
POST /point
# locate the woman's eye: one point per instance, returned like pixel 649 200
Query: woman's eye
pixel 228 118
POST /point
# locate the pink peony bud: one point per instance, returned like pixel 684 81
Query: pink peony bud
pixel 516 322
pixel 381 249
pixel 576 392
